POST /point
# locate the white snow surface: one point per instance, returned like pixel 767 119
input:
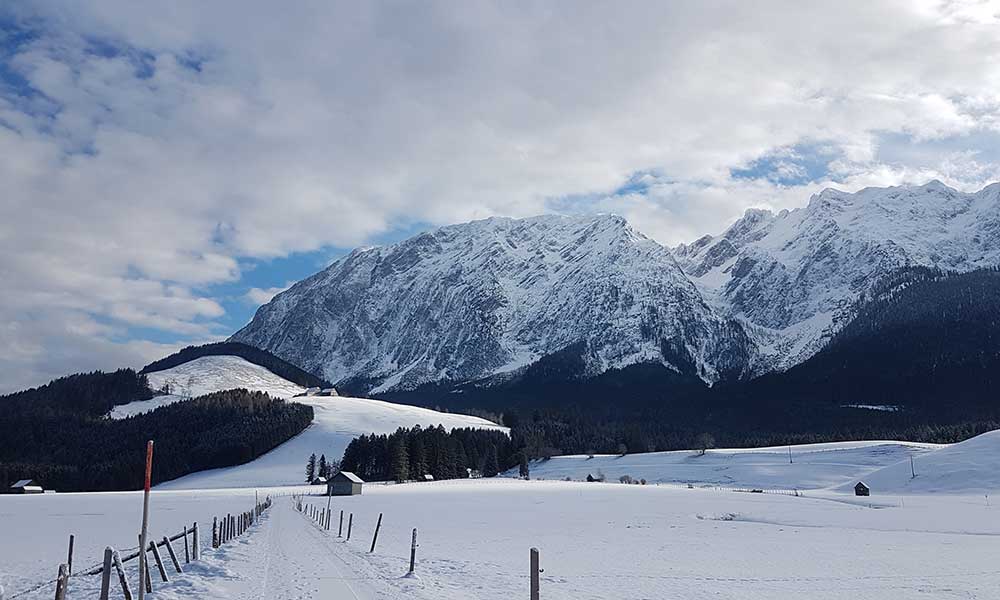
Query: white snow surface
pixel 812 466
pixel 337 421
pixel 216 373
pixel 597 541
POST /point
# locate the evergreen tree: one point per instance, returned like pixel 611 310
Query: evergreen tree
pixel 418 454
pixel 322 466
pixel 311 468
pixel 400 457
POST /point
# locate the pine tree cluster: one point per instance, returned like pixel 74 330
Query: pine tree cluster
pixel 409 454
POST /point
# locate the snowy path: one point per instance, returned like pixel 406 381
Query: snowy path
pixel 300 564
pixel 283 557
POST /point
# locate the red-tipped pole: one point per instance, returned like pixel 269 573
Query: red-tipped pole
pixel 145 519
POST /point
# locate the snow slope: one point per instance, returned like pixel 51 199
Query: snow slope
pixel 206 375
pixel 812 466
pixel 972 466
pixel 597 542
pixel 216 373
pixel 338 420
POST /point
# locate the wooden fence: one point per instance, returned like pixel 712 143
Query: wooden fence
pixel 224 529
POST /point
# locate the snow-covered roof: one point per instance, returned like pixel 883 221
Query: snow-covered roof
pixel 23 483
pixel 349 476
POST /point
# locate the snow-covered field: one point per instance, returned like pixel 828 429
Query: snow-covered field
pixel 338 420
pixel 607 541
pixel 808 466
pixel 933 536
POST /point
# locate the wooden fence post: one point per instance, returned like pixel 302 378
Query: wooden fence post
pixel 170 551
pixel 375 537
pixel 413 550
pixel 340 529
pixel 144 566
pixel 350 522
pixel 159 561
pixel 195 548
pixel 126 590
pixel 534 574
pixel 62 580
pixel 69 556
pixel 105 573
pixel 215 540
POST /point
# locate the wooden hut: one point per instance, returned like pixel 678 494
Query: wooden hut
pixel 25 486
pixel 344 483
pixel 861 489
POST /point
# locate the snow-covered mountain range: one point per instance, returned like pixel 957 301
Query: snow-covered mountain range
pixel 476 300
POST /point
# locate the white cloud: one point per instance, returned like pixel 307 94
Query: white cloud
pixel 224 130
pixel 256 296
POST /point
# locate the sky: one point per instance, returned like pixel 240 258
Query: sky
pixel 166 167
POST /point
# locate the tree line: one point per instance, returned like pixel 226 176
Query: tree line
pixel 412 453
pixel 60 435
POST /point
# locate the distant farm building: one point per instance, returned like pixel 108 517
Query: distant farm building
pixel 25 486
pixel 344 483
pixel 320 481
pixel 315 391
pixel 862 490
pixel 427 477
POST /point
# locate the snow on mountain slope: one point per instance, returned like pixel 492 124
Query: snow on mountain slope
pixel 205 375
pixel 812 466
pixel 963 468
pixel 793 278
pixel 338 420
pixel 468 301
pixel 216 373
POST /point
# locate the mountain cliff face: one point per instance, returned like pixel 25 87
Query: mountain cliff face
pixel 475 300
pixel 795 278
pixel 488 298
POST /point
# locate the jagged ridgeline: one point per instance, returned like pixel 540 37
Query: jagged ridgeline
pixel 59 433
pixel 263 358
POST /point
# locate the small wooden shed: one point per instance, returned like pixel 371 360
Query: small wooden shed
pixel 25 486
pixel 427 477
pixel 344 483
pixel 861 489
pixel 320 480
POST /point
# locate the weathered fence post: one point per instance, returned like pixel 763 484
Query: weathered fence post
pixel 69 556
pixel 173 557
pixel 105 573
pixel 126 590
pixel 159 561
pixel 340 529
pixel 144 566
pixel 328 500
pixel 62 580
pixel 215 540
pixel 187 554
pixel 413 550
pixel 375 537
pixel 350 522
pixel 534 574
pixel 195 548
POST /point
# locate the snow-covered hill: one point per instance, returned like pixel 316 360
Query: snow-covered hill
pixel 338 420
pixel 794 277
pixel 803 467
pixel 468 301
pixel 972 466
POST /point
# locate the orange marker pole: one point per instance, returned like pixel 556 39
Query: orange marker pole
pixel 145 519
